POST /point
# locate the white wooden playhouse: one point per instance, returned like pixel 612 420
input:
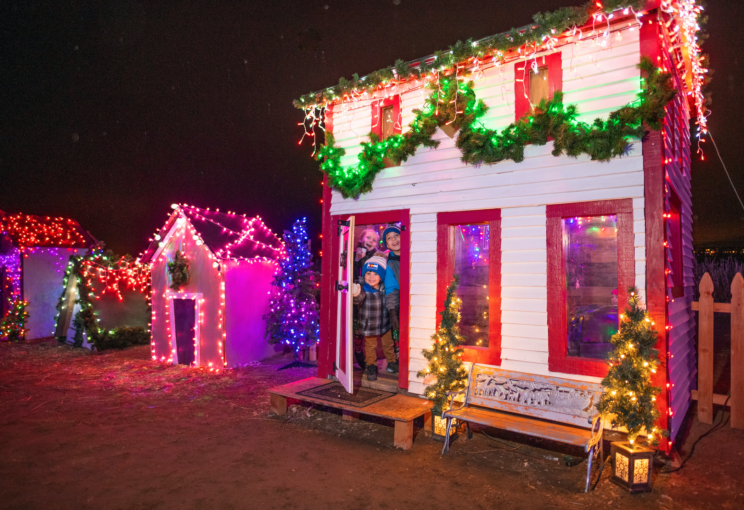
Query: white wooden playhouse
pixel 546 247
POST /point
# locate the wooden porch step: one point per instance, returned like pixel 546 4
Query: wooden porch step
pixel 385 381
pixel 524 425
pixel 399 408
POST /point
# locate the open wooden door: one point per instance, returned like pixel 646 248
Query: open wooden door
pixel 344 310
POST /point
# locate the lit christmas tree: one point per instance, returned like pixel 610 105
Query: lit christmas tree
pixel 445 356
pixel 13 325
pixel 293 319
pixel 630 398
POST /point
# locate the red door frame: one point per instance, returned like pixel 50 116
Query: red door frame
pixel 327 347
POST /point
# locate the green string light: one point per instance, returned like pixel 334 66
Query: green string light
pixel 602 140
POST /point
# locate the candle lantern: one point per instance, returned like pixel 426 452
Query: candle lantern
pixel 439 428
pixel 631 466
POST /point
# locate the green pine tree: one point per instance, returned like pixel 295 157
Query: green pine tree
pixel 630 398
pixel 13 325
pixel 445 356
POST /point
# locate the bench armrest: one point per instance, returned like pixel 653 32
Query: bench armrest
pixel 451 395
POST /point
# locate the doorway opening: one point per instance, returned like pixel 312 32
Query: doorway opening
pixel 184 328
pixel 360 242
pixel 368 242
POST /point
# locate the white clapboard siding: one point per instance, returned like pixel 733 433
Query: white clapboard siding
pixel 524 305
pixel 424 311
pixel 525 356
pixel 426 323
pixel 524 344
pixel 524 266
pixel 598 80
pixel 423 289
pixel 424 268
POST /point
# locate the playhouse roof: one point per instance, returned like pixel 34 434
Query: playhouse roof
pixel 27 230
pixel 229 236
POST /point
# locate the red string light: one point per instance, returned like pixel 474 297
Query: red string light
pixel 26 230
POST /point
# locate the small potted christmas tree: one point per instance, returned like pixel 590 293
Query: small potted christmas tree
pixel 630 399
pixel 445 361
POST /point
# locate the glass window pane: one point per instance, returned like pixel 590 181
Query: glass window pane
pixel 539 85
pixel 590 254
pixel 388 123
pixel 471 263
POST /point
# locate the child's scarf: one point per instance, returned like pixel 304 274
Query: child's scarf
pixel 369 288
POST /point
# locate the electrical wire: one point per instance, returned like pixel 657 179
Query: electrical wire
pixel 692 450
pixel 725 169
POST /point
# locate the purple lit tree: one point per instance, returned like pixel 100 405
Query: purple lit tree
pixel 293 316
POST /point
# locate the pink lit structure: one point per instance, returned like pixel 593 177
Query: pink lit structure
pixel 214 320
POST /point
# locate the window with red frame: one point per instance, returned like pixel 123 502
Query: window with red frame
pixel 674 242
pixel 534 80
pixel 469 245
pixel 590 266
pixel 386 117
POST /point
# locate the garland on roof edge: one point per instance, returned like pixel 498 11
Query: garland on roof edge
pixel 454 103
pixel 545 26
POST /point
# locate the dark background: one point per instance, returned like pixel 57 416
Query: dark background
pixel 112 110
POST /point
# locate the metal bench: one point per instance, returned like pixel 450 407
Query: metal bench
pixel 549 407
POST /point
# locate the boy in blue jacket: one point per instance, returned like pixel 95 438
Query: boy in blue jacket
pixel 374 316
pixel 391 241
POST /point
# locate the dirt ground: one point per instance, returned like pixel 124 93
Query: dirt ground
pixel 116 430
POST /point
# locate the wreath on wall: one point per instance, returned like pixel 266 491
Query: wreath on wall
pixel 179 271
pixel 454 103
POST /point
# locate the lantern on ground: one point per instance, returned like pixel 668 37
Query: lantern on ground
pixel 631 466
pixel 439 428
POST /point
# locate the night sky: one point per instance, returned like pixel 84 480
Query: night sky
pixel 112 110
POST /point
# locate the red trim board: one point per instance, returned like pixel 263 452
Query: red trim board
pixel 653 184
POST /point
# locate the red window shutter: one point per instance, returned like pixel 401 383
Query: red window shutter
pixel 522 81
pixel 377 106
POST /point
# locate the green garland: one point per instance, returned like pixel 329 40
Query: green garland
pixel 454 103
pixel 544 25
pixel 179 271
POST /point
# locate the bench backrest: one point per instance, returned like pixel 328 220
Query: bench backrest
pixel 550 398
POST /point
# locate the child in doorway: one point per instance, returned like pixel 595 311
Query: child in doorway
pixel 370 297
pixel 366 247
pixel 391 241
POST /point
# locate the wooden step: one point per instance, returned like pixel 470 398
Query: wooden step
pixel 384 382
